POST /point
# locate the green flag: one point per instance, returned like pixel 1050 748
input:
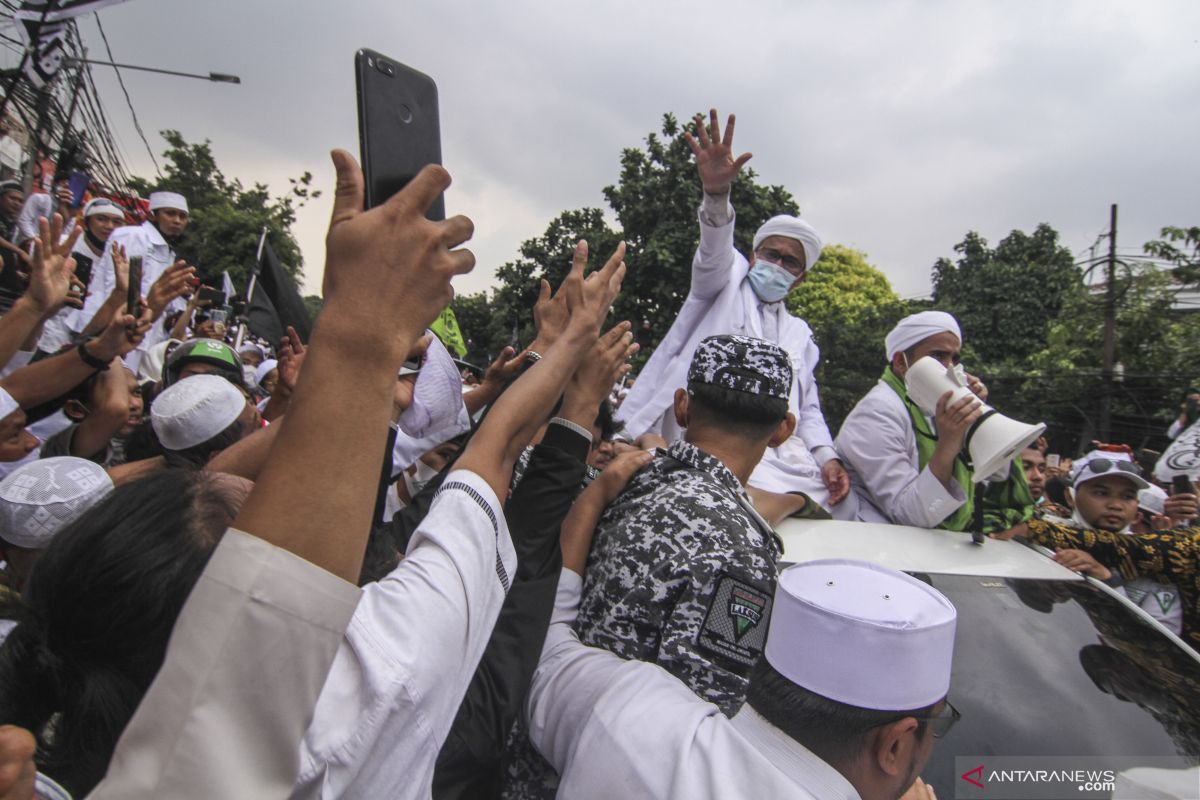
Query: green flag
pixel 446 328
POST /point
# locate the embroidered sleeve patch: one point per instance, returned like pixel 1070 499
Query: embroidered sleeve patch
pixel 735 624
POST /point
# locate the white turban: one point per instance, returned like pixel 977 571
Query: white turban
pixel 168 200
pixel 916 328
pixel 792 228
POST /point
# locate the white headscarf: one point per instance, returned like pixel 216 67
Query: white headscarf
pixel 437 396
pixel 916 328
pixel 792 228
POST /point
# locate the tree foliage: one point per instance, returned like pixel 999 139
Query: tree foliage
pixel 850 305
pixel 227 218
pixel 1181 247
pixel 1005 298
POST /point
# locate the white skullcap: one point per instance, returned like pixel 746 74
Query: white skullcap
pixel 262 369
pixel 862 634
pixel 103 206
pixel 42 497
pixel 916 328
pixel 792 228
pixel 195 410
pixel 168 200
pixel 1122 464
pixel 7 404
pixel 437 397
pixel 1153 499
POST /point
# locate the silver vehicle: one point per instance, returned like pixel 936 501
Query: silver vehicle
pixel 1046 661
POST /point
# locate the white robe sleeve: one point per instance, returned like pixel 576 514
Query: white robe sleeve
pixel 878 442
pixel 713 264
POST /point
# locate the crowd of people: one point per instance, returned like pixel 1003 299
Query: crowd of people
pixel 346 568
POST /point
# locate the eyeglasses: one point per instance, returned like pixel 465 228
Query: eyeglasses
pixel 1099 466
pixel 940 724
pixel 790 263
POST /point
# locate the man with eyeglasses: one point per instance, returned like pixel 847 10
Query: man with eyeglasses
pixel 731 294
pixel 846 702
pixel 909 469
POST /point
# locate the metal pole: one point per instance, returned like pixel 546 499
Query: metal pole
pixel 1110 330
pixel 70 111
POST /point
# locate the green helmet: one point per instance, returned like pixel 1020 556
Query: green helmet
pixel 204 351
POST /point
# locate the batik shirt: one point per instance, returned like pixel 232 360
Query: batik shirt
pixel 1166 556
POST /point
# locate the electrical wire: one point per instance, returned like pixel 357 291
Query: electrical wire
pixel 136 123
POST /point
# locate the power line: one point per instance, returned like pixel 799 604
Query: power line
pixel 128 101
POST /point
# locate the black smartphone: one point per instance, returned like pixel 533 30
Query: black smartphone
pixel 1181 484
pixel 398 129
pixel 215 297
pixel 83 269
pixel 134 295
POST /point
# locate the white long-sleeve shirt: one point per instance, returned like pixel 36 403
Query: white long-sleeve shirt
pixel 721 301
pixel 878 445
pixel 410 651
pixel 617 728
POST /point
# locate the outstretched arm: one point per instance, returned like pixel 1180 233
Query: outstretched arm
pixel 718 168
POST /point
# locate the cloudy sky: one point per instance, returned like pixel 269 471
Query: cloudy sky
pixel 899 126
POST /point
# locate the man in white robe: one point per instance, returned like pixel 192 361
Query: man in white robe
pixel 731 295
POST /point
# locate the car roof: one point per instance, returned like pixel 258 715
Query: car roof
pixel 916 550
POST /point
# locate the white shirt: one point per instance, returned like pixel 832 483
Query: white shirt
pixel 61 328
pixel 138 240
pixel 721 301
pixel 37 205
pixel 246 659
pixel 410 651
pixel 629 729
pixel 879 448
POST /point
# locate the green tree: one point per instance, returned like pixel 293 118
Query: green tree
pixel 654 203
pixel 1005 298
pixel 227 218
pixel 1181 247
pixel 850 305
pixel 1158 348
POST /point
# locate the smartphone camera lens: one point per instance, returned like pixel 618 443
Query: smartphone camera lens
pixel 385 68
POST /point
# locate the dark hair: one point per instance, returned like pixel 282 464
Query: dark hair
pixel 834 731
pixel 196 456
pixel 1056 490
pixel 96 616
pixel 753 416
pixel 604 418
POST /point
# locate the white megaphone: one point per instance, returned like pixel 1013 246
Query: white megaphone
pixel 994 440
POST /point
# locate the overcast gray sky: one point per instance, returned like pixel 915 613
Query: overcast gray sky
pixel 899 126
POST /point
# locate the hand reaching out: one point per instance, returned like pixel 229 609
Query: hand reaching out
pixel 52 269
pixel 714 154
pixel 597 372
pixel 176 280
pixel 291 359
pixel 588 299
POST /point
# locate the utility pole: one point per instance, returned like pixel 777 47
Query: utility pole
pixel 1110 330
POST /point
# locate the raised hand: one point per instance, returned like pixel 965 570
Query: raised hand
pixel 52 270
pixel 714 154
pixel 550 315
pixel 176 280
pixel 388 259
pixel 588 299
pixel 598 371
pixel 291 359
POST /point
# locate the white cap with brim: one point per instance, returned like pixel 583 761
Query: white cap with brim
pixel 102 206
pixel 195 410
pixel 792 228
pixel 1153 499
pixel 260 372
pixel 1101 463
pixel 861 634
pixel 8 405
pixel 916 328
pixel 168 200
pixel 41 498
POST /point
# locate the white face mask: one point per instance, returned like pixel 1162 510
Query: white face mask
pixel 423 475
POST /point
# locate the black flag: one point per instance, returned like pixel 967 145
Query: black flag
pixel 275 303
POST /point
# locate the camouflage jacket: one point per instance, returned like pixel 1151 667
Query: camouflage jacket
pixel 682 574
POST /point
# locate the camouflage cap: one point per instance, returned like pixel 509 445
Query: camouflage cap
pixel 743 364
